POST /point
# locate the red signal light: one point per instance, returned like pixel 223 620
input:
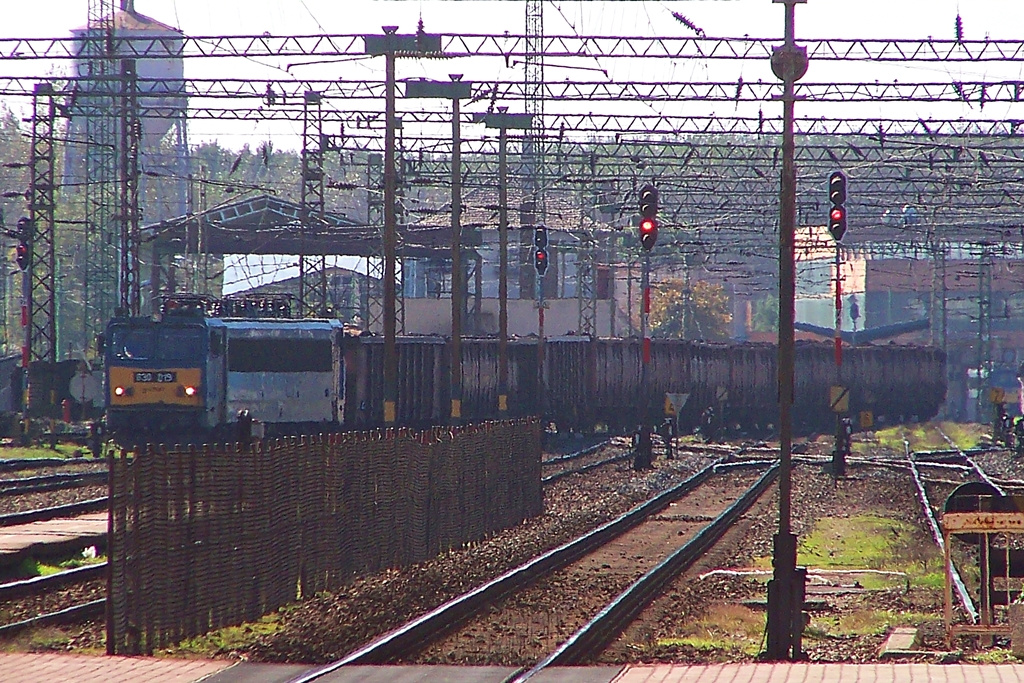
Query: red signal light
pixel 837 214
pixel 540 260
pixel 648 233
pixel 21 255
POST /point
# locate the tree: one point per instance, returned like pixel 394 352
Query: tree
pixel 701 313
pixel 765 314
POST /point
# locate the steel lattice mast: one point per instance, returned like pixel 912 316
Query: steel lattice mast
pixel 100 80
pixel 41 300
pixel 312 266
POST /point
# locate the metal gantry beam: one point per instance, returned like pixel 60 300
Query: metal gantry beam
pixel 506 46
pixel 42 297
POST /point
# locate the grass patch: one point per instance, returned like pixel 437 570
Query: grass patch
pixel 967 436
pixel 865 623
pixel 725 627
pixel 33 452
pixel 870 542
pixel 928 436
pixel 228 639
pixel 30 568
pixel 994 655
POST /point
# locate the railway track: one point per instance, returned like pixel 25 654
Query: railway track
pixel 928 509
pixel 50 482
pixel 79 611
pixel 70 610
pixel 631 592
pixel 24 464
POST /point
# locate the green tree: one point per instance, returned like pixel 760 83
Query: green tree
pixel 701 313
pixel 765 314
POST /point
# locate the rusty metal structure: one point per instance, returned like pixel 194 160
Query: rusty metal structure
pixel 995 523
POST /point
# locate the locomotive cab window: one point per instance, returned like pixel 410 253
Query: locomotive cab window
pixel 280 355
pixel 182 344
pixel 132 344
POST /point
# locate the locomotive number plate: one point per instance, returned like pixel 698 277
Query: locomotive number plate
pixel 158 377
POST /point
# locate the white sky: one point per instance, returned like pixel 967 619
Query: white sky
pixel 997 19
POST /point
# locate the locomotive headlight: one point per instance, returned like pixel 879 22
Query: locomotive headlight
pixel 118 391
pixel 190 391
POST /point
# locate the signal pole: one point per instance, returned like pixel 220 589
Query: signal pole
pixel 785 594
pixel 840 394
pixel 643 457
pixel 503 121
pixel 456 89
pixel 390 46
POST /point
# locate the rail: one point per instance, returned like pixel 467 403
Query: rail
pixel 51 482
pixel 410 638
pixel 598 633
pixel 958 582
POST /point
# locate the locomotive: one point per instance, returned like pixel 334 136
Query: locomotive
pixel 197 368
pixel 190 372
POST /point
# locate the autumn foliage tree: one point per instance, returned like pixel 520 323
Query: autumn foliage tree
pixel 703 313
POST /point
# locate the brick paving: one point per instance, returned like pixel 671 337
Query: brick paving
pixel 825 673
pixel 66 668
pixel 54 668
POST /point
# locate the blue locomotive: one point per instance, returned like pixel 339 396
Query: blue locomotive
pixel 194 370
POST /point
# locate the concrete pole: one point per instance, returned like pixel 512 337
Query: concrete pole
pixel 390 240
pixel 502 268
pixel 457 270
pixel 789 63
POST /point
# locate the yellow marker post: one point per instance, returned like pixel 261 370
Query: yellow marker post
pixel 389 412
pixel 839 399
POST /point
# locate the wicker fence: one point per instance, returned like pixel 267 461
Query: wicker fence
pixel 211 537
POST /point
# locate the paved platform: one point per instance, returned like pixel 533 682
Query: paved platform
pixel 52 538
pixel 58 668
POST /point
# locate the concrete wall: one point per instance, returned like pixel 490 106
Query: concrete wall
pixel 561 317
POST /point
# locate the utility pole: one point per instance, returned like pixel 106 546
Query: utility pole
pixel 785 590
pixel 391 45
pixel 503 121
pixel 456 89
pixel 458 269
pixel 390 241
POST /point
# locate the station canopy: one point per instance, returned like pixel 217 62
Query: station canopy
pixel 266 225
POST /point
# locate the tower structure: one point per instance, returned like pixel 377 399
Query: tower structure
pixel 532 209
pixel 94 160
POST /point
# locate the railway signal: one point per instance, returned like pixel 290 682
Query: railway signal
pixel 648 216
pixel 22 251
pixel 837 210
pixel 540 252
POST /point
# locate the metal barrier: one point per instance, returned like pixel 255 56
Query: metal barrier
pixel 203 538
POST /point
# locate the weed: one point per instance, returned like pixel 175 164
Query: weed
pixel 229 639
pixel 48 640
pixel 867 622
pixel 725 627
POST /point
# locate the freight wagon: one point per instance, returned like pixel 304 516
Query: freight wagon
pixel 191 371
